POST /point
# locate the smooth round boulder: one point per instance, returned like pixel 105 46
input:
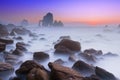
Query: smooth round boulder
pixel 40 56
pixel 69 44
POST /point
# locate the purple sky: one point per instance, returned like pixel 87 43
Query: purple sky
pixel 86 11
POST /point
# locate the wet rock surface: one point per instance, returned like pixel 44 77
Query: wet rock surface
pixel 2 46
pixel 40 56
pixel 67 45
pixel 6 40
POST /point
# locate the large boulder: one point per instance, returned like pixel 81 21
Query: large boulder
pixel 20 31
pixel 40 56
pixel 3 31
pixel 31 70
pixel 2 46
pixel 59 72
pixel 6 40
pixel 67 45
pixel 104 75
pixel 83 68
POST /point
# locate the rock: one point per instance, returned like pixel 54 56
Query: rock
pixel 64 37
pixel 93 52
pixel 5 67
pixel 18 38
pixel 24 22
pixel 10 27
pixel 32 71
pixel 109 54
pixel 88 58
pixel 20 31
pixel 6 40
pixel 104 75
pixel 57 23
pixel 92 77
pixel 40 56
pixel 69 44
pixel 47 20
pixel 17 52
pixel 2 46
pixel 59 61
pixel 72 58
pixel 59 72
pixel 14 78
pixel 21 46
pixel 3 31
pixel 83 68
pixel 37 74
pixel 63 50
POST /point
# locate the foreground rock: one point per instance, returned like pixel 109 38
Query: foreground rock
pixel 3 31
pixel 59 72
pixel 6 40
pixel 2 46
pixel 83 68
pixel 30 70
pixel 104 75
pixel 67 45
pixel 40 56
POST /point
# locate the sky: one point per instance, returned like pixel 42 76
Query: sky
pixel 71 11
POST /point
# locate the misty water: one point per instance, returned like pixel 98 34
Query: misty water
pixel 100 38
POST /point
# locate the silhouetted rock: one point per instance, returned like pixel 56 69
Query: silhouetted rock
pixel 3 31
pixel 59 72
pixel 66 45
pixel 24 22
pixel 20 31
pixel 84 68
pixel 103 74
pixel 47 20
pixel 40 56
pixel 6 40
pixel 57 23
pixel 2 46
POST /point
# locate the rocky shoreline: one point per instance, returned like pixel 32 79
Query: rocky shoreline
pixel 33 70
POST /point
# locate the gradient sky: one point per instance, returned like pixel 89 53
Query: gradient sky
pixel 85 11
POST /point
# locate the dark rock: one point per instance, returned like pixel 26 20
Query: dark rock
pixel 2 46
pixel 63 50
pixel 31 70
pixel 69 44
pixel 59 61
pixel 103 74
pixel 88 58
pixel 6 40
pixel 5 67
pixel 18 38
pixel 21 46
pixel 37 74
pixel 40 56
pixel 3 31
pixel 72 58
pixel 64 37
pixel 20 31
pixel 17 52
pixel 14 78
pixel 83 68
pixel 47 20
pixel 93 52
pixel 92 77
pixel 59 72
